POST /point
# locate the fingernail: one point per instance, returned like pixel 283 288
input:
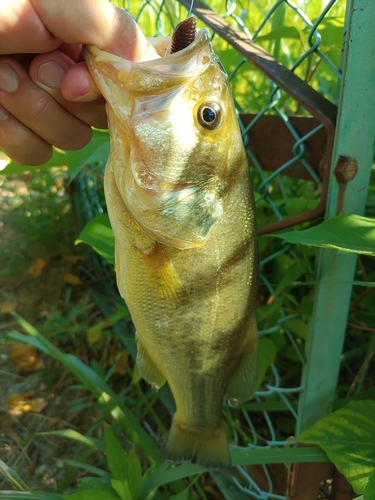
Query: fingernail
pixel 51 74
pixel 3 113
pixel 8 78
pixel 89 97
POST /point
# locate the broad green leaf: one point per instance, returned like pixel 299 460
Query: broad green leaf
pixel 96 150
pixel 58 159
pixel 279 33
pixel 98 234
pixel 116 456
pixel 348 233
pixel 134 473
pixel 369 493
pixel 348 438
pixel 266 355
pixel 92 494
pixel 12 477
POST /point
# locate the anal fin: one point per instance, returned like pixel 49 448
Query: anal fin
pixel 147 367
pixel 242 384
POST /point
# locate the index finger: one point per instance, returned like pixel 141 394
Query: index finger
pixel 97 23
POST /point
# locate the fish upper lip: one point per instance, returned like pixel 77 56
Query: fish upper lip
pixel 91 51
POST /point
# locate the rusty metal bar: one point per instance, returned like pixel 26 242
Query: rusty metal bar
pixel 272 144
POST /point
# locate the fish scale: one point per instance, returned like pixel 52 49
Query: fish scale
pixel 186 248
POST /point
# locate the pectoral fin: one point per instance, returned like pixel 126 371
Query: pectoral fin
pixel 241 385
pixel 148 369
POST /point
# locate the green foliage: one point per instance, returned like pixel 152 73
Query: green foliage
pixel 126 469
pixel 266 356
pixel 99 235
pixel 96 150
pixel 13 478
pixel 348 438
pixel 58 159
pixel 110 402
pixel 347 233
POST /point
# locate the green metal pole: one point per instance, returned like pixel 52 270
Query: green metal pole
pixel 355 136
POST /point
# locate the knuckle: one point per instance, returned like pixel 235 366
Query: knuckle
pixel 40 106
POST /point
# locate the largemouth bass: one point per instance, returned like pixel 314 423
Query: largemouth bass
pixel 180 203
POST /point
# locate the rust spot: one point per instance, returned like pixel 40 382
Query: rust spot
pixel 184 34
pixel 346 169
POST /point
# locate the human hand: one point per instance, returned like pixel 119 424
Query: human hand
pixel 49 99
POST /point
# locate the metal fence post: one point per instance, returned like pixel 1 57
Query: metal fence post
pixel 354 139
pixel 355 135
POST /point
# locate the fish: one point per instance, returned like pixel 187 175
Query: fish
pixel 180 202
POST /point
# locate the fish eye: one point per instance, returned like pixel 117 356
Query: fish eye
pixel 209 115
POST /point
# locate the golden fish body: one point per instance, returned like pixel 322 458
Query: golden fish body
pixel 180 202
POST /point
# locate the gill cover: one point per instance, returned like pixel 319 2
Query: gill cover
pixel 167 117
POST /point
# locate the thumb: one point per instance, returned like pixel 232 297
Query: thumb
pixel 95 22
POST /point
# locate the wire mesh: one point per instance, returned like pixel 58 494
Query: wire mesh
pixel 305 37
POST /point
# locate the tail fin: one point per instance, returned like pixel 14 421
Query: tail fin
pixel 207 447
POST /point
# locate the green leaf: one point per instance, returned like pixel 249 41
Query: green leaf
pixel 299 327
pixel 266 355
pixel 240 457
pixel 279 33
pixel 183 495
pixel 86 483
pixel 116 456
pixel 98 234
pixel 292 273
pixel 57 159
pixel 369 493
pixel 331 29
pixel 134 473
pixel 27 495
pixel 84 466
pixel 348 233
pixel 348 438
pixel 96 150
pixel 92 494
pixel 101 390
pixel 229 58
pixel 12 477
pixel 71 434
pixel 122 488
